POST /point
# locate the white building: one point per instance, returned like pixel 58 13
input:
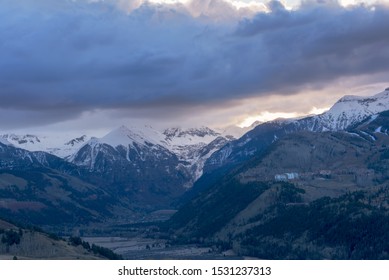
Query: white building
pixel 286 177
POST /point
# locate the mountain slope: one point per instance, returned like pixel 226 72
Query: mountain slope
pixel 32 243
pixel 353 226
pixel 348 111
pixel 194 146
pixel 291 177
pixel 42 189
pixel 133 164
pixel 16 158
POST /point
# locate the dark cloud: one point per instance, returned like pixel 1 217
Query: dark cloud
pixel 317 44
pixel 73 56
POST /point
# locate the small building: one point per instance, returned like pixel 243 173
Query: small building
pixel 281 178
pixel 286 177
pixel 325 172
pixel 292 176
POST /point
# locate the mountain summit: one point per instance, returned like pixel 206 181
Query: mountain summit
pixel 350 110
pixel 123 136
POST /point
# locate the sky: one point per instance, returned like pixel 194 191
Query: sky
pixel 89 66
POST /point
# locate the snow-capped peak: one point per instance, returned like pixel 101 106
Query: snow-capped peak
pixel 352 109
pixel 123 136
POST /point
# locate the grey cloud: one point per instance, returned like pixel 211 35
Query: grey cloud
pixel 317 44
pixel 13 119
pixel 77 56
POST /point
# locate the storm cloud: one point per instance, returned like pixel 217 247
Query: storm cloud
pixel 64 58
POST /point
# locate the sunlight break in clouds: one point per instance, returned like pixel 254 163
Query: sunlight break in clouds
pixel 270 116
pixel 265 117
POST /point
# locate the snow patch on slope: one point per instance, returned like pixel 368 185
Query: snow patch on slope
pixel 191 136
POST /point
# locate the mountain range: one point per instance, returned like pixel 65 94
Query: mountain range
pixel 123 174
pixel 217 180
pixel 190 147
pixel 348 111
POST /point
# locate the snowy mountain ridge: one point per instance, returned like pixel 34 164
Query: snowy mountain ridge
pixel 350 110
pixel 182 150
pixel 54 145
pixel 191 136
pixel 174 139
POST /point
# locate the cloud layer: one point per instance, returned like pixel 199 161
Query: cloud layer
pixel 63 58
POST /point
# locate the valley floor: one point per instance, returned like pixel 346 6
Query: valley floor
pixel 158 249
